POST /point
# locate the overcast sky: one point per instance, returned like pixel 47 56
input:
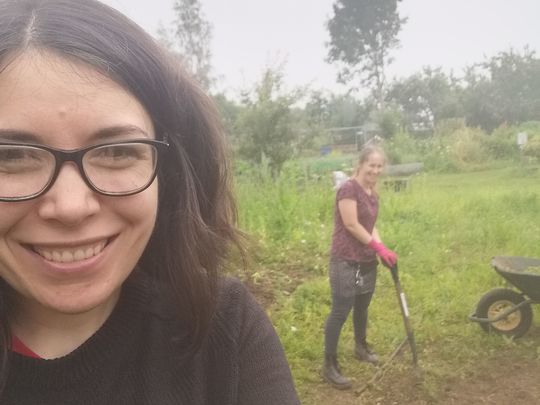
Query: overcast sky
pixel 251 34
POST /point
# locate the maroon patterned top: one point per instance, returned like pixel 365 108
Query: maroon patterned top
pixel 344 244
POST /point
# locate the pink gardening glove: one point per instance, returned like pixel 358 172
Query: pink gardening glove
pixel 388 257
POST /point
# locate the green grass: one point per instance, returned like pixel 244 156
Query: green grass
pixel 445 229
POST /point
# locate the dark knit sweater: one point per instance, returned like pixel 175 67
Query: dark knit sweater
pixel 138 357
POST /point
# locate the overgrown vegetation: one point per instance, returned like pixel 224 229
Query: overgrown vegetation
pixel 428 114
pixel 445 227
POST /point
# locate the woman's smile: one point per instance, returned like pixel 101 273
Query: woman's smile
pixel 61 254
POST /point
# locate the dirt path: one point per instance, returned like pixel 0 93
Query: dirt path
pixel 500 381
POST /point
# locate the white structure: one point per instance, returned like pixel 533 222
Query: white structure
pixel 522 139
pixel 338 178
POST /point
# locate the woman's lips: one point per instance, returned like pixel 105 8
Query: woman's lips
pixel 70 254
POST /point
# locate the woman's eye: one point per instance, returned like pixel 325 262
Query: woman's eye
pixel 115 156
pixel 11 155
pixel 19 155
pixel 118 152
pixel 21 158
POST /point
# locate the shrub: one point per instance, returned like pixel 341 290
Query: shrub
pixel 532 149
pixel 503 140
pixel 403 148
pixel 448 126
pixel 468 149
pixel 389 122
pixel 436 155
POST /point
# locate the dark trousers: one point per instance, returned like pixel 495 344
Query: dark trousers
pixel 341 306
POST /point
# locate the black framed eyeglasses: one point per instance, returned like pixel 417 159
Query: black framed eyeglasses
pixel 114 169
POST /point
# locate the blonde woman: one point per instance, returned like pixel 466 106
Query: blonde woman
pixel 356 243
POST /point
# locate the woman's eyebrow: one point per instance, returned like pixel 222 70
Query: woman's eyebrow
pixel 119 130
pixel 13 135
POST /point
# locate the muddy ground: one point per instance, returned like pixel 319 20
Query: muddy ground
pixel 502 380
pixel 506 378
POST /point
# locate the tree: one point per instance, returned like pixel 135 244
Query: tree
pixel 478 101
pixel 362 34
pixel 346 111
pixel 229 110
pixel 165 37
pixel 190 39
pixel 426 98
pixel 314 119
pixel 317 109
pixel 266 125
pixel 516 80
pixel 504 89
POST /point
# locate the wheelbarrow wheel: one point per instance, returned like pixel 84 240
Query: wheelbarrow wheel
pixel 496 302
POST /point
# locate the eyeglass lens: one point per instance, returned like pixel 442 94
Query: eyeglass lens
pixel 24 170
pixel 120 168
pixel 112 169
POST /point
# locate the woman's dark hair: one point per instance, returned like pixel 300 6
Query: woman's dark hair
pixel 196 213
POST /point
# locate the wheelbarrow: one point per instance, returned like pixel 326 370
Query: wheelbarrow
pixel 506 311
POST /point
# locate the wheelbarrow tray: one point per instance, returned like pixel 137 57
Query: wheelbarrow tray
pixel 522 272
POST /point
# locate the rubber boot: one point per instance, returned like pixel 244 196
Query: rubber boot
pixel 363 352
pixel 332 374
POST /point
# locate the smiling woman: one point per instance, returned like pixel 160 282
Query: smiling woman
pixel 356 243
pixel 65 217
pixel 116 217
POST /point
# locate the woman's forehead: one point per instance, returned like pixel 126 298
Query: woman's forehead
pixel 50 65
pixel 375 157
pixel 43 93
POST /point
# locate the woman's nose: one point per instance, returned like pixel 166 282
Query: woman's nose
pixel 70 200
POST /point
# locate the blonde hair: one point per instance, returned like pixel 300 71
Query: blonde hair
pixel 366 152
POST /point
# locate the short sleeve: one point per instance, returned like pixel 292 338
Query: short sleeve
pixel 347 191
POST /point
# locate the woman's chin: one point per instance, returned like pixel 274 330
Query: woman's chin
pixel 76 301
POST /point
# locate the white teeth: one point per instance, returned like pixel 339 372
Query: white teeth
pixel 57 256
pixel 66 257
pixel 79 255
pixel 71 255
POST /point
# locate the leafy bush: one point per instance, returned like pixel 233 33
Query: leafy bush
pixel 403 148
pixel 461 149
pixel 389 122
pixel 532 149
pixel 503 141
pixel 448 126
pixel 436 155
pixel 468 148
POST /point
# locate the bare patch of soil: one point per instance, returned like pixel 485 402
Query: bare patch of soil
pixel 266 284
pixel 498 381
pixel 502 380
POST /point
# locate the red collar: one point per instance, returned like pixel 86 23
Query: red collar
pixel 18 346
